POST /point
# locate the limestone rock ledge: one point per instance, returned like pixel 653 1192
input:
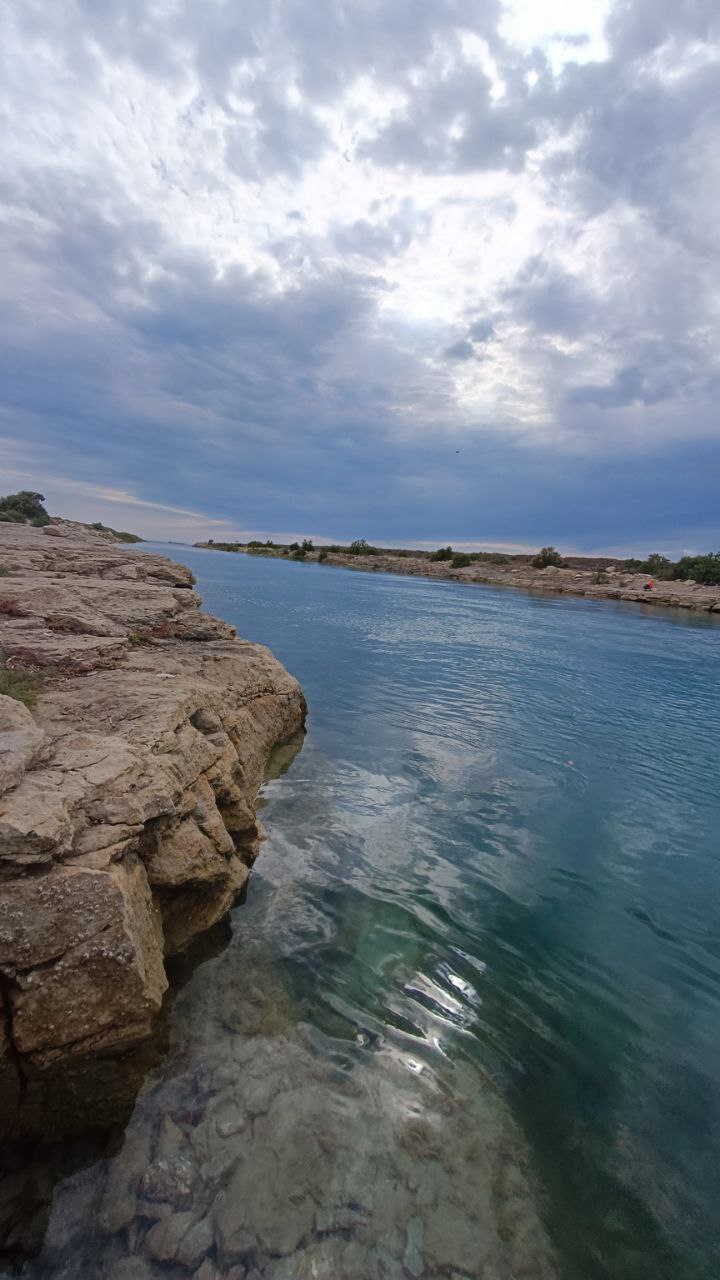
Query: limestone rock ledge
pixel 127 796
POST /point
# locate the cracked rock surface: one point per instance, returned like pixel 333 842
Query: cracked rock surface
pixel 127 795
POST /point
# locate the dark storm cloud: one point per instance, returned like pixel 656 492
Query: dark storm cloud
pixel 289 399
pixel 452 124
pixel 664 371
pixel 546 297
pixel 635 27
pixel 384 238
pixel 188 374
pixel 629 386
pixel 276 139
pixel 253 51
pixel 482 330
pixel 462 350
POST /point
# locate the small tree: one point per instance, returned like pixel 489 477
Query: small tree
pixel 307 545
pixel 547 558
pixel 22 507
pixel 658 566
pixel 704 569
pixel 443 553
pixel 361 548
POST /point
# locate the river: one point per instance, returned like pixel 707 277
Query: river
pixel 467 1022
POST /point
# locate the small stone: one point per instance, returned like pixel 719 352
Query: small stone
pixel 132 1269
pixel 124 1174
pixel 164 1239
pixel 228 1125
pixel 452 1239
pixel 170 1140
pixel 196 1243
pixel 170 1181
pixel 207 1271
pixel 413 1250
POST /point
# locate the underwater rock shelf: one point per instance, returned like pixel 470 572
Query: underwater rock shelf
pixel 127 795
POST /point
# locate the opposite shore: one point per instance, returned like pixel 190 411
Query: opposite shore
pixel 600 578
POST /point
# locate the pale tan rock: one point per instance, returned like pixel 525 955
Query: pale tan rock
pixel 101 990
pixel 128 811
pixel 20 742
pixel 184 854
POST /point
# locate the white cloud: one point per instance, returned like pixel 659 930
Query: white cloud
pixel 277 225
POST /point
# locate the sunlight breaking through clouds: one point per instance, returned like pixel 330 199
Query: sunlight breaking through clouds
pixel 269 262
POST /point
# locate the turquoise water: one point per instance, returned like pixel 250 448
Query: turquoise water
pixel 488 904
pixel 522 793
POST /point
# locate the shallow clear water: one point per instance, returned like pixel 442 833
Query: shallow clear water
pixel 468 1020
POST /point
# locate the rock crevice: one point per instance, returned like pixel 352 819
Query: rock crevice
pixel 127 796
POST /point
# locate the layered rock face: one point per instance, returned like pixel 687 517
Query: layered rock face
pixel 127 795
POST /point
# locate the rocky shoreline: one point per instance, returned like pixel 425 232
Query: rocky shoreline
pixel 619 584
pixel 127 795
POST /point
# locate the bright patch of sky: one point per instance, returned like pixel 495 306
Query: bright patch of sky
pixel 276 265
pixel 568 30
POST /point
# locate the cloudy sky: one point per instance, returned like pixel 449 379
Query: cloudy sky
pixel 409 270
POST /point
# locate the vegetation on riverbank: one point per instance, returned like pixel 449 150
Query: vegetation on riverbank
pixel 26 507
pixel 120 535
pixel 703 569
pixel 24 686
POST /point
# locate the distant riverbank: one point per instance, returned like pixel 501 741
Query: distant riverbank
pixel 602 579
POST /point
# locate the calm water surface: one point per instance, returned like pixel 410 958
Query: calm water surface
pixel 493 875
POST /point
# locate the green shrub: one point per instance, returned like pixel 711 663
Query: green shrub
pixel 24 686
pixel 307 545
pixel 322 554
pixel 547 558
pixel 299 554
pixel 4 573
pixel 659 567
pixel 361 548
pixel 599 578
pixel 461 561
pixel 443 553
pixel 703 569
pixel 121 535
pixel 19 508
